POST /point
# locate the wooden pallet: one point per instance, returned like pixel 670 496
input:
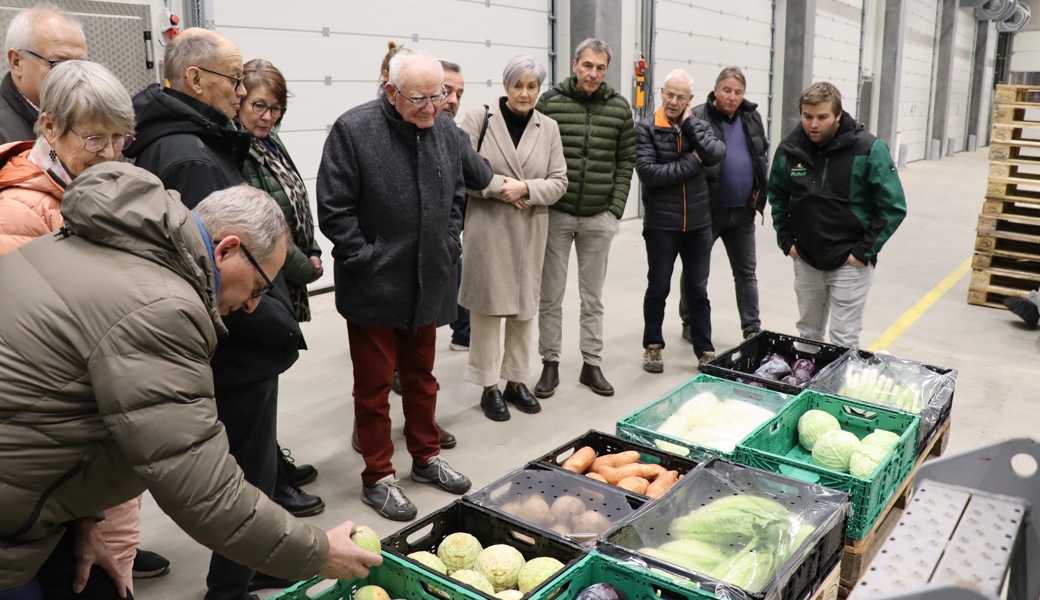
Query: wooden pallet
pixel 1006 207
pixel 1005 242
pixel 1025 152
pixel 981 260
pixel 1025 132
pixel 1025 95
pixel 1010 179
pixel 1014 114
pixel 859 553
pixel 828 589
pixel 989 286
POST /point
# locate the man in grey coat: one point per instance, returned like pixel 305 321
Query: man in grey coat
pixel 396 241
pixel 37 39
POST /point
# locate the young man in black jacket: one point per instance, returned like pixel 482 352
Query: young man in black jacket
pixel 672 149
pixel 836 200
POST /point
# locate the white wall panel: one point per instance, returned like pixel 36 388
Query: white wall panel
pixel 836 50
pixel 330 52
pixel 915 96
pixel 986 111
pixel 960 90
pixel 704 36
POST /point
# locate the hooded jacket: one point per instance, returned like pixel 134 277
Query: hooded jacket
pixel 758 144
pixel 675 191
pixel 390 199
pixel 106 388
pixel 598 144
pixel 17 116
pixel 191 146
pixel 844 198
pixel 30 199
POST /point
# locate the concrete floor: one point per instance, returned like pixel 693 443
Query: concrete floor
pixel 995 354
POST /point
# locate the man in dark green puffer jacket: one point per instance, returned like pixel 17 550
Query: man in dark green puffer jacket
pixel 599 145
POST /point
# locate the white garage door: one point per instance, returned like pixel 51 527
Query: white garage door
pixel 704 36
pixel 986 111
pixel 836 51
pixel 915 96
pixel 963 52
pixel 330 52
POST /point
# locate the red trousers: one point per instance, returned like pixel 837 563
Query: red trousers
pixel 373 352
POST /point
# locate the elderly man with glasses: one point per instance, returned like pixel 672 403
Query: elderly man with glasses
pixel 38 38
pixel 395 232
pixel 186 137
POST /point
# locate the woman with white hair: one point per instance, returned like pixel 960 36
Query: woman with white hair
pixel 507 224
pixel 86 119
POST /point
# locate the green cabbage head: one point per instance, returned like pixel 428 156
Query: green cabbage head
pixel 812 425
pixel 833 450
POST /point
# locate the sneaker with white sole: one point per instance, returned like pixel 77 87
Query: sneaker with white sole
pixel 459 346
pixel 387 497
pixel 653 362
pixel 441 474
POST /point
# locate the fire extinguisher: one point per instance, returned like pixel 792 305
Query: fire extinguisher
pixel 641 81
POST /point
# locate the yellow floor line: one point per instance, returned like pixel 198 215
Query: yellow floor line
pixel 910 317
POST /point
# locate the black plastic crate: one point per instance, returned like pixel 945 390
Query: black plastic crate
pixel 740 363
pixel 489 528
pixel 604 443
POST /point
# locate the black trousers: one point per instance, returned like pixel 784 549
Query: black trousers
pixel 693 248
pixel 54 579
pixel 249 414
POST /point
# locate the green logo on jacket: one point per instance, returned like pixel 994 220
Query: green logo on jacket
pixel 799 170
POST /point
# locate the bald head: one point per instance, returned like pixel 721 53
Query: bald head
pixel 676 94
pixel 36 36
pixel 206 66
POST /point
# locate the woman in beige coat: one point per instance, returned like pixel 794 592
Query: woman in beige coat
pixel 506 228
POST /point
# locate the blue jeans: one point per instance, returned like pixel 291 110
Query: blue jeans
pixel 460 330
pixel 736 227
pixel 694 249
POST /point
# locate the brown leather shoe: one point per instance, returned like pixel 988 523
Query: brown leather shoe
pixel 549 380
pixel 448 441
pixel 593 377
pixel 354 443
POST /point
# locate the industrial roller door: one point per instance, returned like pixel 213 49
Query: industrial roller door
pixel 915 97
pixel 836 50
pixel 960 90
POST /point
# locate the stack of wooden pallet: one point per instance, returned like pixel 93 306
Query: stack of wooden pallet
pixel 1007 248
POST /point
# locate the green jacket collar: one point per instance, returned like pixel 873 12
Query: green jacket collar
pixel 569 87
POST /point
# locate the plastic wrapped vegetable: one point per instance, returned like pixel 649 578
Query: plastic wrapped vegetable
pixel 601 591
pixel 773 367
pixel 803 370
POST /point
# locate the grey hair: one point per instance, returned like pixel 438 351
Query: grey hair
pixel 521 66
pixel 733 72
pixel 447 65
pixel 20 31
pixel 187 51
pixel 404 58
pixel 596 45
pixel 249 213
pixel 679 73
pixel 80 90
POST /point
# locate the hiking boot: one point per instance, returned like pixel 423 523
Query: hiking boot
pixel 297 502
pixel 652 360
pixel 705 357
pixel 441 474
pixel 592 376
pixel 298 475
pixel 149 564
pixel 750 333
pixel 549 380
pixel 387 497
pixel 1025 309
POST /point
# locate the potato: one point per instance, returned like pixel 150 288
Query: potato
pixel 535 510
pixel 566 507
pixel 562 529
pixel 590 521
pixel 510 508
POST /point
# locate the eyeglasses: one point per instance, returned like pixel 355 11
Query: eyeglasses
pixel 422 102
pixel 668 97
pixel 268 285
pixel 237 80
pixel 50 61
pixel 261 108
pixel 97 143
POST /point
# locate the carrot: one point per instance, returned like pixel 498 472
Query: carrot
pixel 615 460
pixel 662 483
pixel 634 484
pixel 580 460
pixel 596 476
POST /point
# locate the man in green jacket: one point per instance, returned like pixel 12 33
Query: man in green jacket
pixel 836 199
pixel 599 145
pixel 106 388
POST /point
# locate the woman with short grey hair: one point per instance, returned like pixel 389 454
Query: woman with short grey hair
pixel 507 224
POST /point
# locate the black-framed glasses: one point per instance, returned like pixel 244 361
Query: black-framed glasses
pixel 97 143
pixel 260 108
pixel 268 284
pixel 422 102
pixel 50 61
pixel 237 80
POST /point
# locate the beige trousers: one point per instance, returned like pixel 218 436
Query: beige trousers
pixel 486 362
pixel 121 530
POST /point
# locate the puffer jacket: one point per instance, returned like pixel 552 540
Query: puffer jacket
pixel 758 144
pixel 30 199
pixel 17 116
pixel 106 388
pixel 598 144
pixel 675 190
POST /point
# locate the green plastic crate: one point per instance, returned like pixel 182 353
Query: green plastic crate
pixel 641 425
pixel 634 582
pixel 774 447
pixel 395 575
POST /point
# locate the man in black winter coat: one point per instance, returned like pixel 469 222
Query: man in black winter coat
pixel 672 149
pixel 185 137
pixel 390 192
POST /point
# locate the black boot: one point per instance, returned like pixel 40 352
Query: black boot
pixel 1025 309
pixel 298 475
pixel 549 380
pixel 296 501
pixel 593 377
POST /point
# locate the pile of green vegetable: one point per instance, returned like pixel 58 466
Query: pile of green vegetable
pixel 877 384
pixel 832 448
pixel 707 421
pixel 742 540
